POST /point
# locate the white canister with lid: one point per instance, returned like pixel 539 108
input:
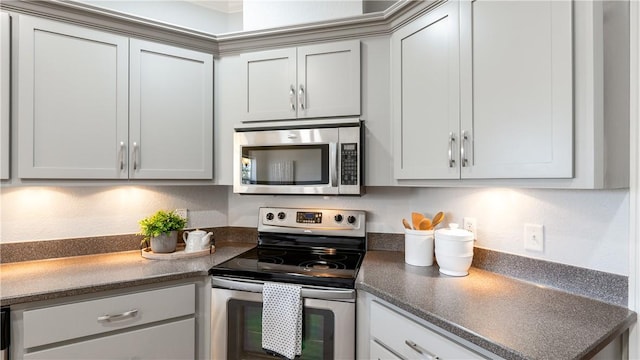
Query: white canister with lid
pixel 454 250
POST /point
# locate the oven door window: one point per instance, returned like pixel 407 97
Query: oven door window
pixel 285 165
pixel 245 332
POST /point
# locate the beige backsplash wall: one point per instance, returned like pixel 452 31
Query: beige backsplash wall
pixel 586 228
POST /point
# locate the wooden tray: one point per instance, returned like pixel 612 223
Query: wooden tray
pixel 178 254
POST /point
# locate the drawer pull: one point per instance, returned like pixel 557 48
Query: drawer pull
pixel 417 348
pixel 126 314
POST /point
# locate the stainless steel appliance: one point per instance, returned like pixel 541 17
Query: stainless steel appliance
pixel 5 333
pixel 299 157
pixel 318 249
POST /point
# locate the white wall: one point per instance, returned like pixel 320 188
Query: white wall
pixel 48 213
pixel 178 13
pixel 261 14
pixel 585 228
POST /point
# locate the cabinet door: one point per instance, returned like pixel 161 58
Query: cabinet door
pixel 5 73
pixel 516 76
pixel 329 79
pixel 72 101
pixel 171 112
pixel 412 340
pixel 166 341
pixel 425 109
pixel 269 85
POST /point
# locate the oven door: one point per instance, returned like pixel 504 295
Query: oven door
pixel 236 322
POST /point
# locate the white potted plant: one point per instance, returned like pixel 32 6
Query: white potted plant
pixel 160 230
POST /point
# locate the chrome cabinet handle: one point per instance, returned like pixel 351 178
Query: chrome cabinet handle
pixel 124 315
pixel 122 157
pixel 301 97
pixel 415 347
pixel 463 157
pixel 452 161
pixel 292 98
pixel 135 155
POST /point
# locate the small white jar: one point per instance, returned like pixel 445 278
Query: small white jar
pixel 418 247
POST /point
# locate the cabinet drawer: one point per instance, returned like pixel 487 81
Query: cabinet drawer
pixel 167 341
pixel 396 332
pixel 69 321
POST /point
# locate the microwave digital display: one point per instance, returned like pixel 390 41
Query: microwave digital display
pixel 349 159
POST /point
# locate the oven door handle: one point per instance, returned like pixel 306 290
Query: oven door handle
pixel 306 292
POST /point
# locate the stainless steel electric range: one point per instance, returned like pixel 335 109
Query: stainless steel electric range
pixel 319 249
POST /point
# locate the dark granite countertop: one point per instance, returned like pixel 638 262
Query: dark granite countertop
pixel 37 280
pixel 511 318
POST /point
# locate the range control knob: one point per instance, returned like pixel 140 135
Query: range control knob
pixel 338 218
pixel 351 219
pixel 269 216
pixel 281 215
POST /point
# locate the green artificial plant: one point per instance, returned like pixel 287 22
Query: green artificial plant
pixel 162 222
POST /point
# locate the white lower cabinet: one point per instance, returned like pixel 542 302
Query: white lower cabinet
pixel 411 340
pixel 385 331
pixel 152 324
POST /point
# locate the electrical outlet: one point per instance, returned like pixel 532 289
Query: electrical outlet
pixel 183 213
pixel 469 223
pixel 534 237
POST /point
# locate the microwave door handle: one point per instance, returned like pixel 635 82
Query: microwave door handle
pixel 333 164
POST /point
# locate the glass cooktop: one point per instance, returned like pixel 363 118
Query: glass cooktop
pixel 320 267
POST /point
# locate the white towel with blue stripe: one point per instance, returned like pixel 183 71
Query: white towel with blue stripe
pixel 282 319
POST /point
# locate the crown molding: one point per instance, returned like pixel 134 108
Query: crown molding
pixel 355 27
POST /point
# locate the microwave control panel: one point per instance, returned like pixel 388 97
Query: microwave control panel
pixel 349 164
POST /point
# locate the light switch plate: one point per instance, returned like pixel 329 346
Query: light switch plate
pixel 534 237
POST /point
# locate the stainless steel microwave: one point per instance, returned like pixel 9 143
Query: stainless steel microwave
pixel 321 157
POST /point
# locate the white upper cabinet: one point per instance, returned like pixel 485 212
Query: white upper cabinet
pixel 516 84
pixel 94 105
pixel 171 112
pixel 270 82
pixel 493 100
pixel 5 98
pixel 425 91
pixel 305 82
pixel 72 101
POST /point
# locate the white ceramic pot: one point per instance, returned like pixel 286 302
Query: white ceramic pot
pixel 454 241
pixel 418 247
pixel 454 265
pixel 454 250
